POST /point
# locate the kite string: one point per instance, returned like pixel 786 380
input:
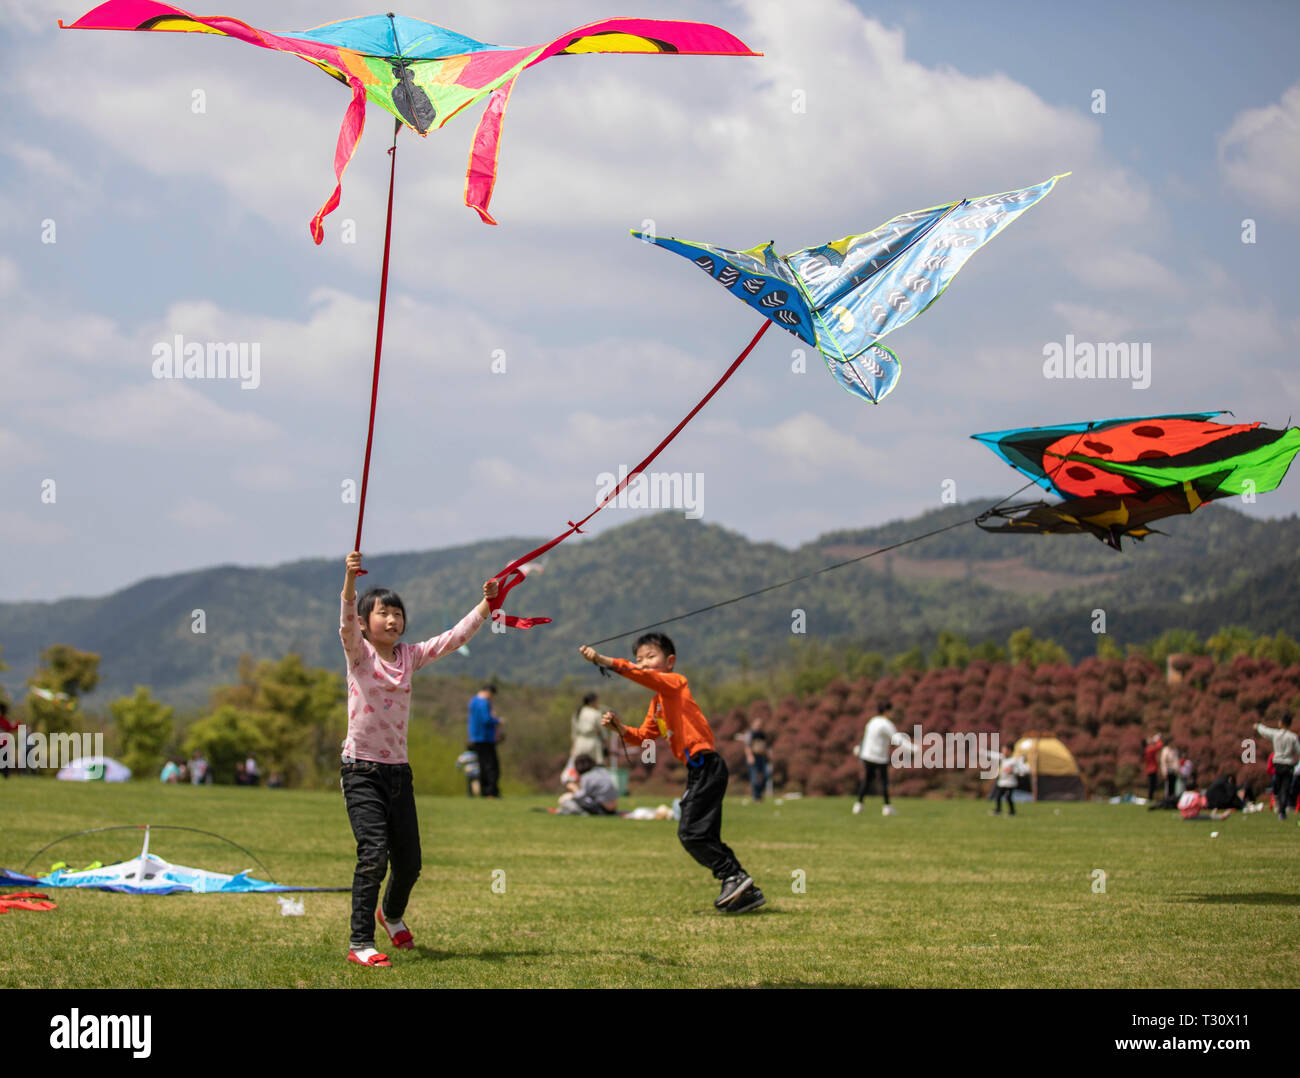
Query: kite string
pixel 379 339
pixel 786 583
pixel 809 575
pixel 1049 476
pixel 515 566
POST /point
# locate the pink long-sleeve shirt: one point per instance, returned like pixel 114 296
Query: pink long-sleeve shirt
pixel 379 692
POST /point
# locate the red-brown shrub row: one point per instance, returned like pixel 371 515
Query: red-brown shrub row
pixel 1103 710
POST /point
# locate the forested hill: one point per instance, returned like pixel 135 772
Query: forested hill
pixel 1213 569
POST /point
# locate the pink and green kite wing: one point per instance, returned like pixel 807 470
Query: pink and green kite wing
pixel 420 72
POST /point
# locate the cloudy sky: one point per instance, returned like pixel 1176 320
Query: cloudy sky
pixel 128 217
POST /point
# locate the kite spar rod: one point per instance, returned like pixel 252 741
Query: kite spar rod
pixel 379 337
pixel 146 828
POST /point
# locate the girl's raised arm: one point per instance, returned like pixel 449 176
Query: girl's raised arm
pixel 350 581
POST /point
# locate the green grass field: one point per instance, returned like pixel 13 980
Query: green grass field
pixel 941 895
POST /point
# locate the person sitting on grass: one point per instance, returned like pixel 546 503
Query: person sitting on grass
pixel 376 777
pixel 594 794
pixel 675 716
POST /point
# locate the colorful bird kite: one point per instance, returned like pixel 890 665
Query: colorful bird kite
pixel 1117 476
pixel 420 72
pixel 843 297
pixel 423 74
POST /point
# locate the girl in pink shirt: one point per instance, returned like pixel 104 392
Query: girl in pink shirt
pixel 376 777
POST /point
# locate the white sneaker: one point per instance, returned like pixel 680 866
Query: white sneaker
pixel 857 808
pixel 888 810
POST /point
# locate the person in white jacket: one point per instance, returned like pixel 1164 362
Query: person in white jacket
pixel 878 739
pixel 1010 768
pixel 1286 752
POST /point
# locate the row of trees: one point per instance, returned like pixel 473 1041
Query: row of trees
pixel 293 717
pixel 1102 709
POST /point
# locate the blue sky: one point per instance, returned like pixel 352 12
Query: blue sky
pixel 169 221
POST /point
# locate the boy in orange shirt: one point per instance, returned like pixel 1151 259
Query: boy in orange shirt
pixel 675 716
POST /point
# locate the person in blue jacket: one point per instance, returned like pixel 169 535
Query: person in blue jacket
pixel 484 733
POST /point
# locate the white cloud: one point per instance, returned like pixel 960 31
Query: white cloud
pixel 1242 329
pixel 22 528
pixel 1259 154
pixel 1118 270
pixel 18 453
pixel 162 415
pixel 807 443
pixel 194 514
pixel 1093 323
pixel 267 475
pixel 45 167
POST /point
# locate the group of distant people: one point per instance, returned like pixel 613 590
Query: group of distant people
pixel 1163 762
pixel 179 771
pixel 197 772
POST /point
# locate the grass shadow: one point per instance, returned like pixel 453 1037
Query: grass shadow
pixel 822 984
pixel 432 955
pixel 1246 898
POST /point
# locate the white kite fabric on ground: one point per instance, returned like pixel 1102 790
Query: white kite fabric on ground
pixel 94 769
pixel 149 874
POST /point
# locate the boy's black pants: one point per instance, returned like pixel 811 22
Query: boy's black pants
pixel 700 828
pixel 489 769
pixel 381 809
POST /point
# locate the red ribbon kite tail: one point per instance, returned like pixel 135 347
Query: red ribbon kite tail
pixel 354 122
pixel 481 177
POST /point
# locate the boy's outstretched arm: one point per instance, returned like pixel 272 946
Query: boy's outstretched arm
pixel 656 680
pixel 593 656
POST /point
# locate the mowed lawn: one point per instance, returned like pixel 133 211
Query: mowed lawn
pixel 939 895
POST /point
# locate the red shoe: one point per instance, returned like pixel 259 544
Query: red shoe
pixel 374 960
pixel 403 941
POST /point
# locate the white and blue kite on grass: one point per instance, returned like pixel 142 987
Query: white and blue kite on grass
pixel 149 874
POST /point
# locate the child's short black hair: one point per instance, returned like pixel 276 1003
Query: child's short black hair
pixel 589 699
pixel 368 601
pixel 583 763
pixel 491 687
pixel 659 640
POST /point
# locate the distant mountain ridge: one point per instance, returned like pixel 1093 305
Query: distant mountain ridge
pixel 1215 568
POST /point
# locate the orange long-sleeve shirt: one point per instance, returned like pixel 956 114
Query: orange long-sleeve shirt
pixel 673 713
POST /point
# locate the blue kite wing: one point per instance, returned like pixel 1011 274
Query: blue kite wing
pixel 757 276
pixel 865 287
pixel 870 376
